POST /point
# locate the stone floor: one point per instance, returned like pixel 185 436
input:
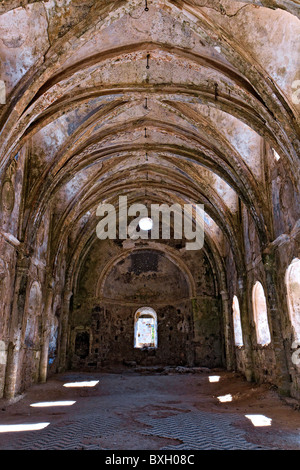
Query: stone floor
pixel 154 409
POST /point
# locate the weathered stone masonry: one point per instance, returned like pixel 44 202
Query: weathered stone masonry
pixel 190 102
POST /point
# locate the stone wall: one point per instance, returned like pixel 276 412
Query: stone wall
pixel 184 102
pixel 189 329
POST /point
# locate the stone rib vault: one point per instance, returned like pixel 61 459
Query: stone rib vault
pixel 183 102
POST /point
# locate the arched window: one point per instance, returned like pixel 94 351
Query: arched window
pixel 145 328
pixel 237 326
pixel 292 281
pixel 33 322
pixel 260 315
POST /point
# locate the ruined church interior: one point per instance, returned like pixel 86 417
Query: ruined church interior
pixel 188 102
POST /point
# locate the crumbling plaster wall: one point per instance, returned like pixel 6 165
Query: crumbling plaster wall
pixel 263 37
pixel 10 211
pixel 32 323
pixel 24 278
pixel 273 362
pixel 189 329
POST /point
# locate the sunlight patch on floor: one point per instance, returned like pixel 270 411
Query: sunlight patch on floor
pixel 53 403
pixel 214 378
pixel 225 398
pixel 90 383
pixel 22 427
pixel 259 420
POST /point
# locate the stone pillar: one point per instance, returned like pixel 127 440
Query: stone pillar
pixel 46 333
pixel 228 333
pixel 62 351
pixel 16 323
pixel 282 372
pixel 245 322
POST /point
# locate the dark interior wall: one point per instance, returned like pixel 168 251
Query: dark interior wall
pixel 188 317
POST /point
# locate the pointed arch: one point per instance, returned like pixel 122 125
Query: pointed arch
pixel 260 314
pixel 237 326
pixel 292 282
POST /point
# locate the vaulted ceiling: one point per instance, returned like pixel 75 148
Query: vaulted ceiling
pixel 178 102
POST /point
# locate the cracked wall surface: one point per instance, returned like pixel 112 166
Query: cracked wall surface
pixel 190 102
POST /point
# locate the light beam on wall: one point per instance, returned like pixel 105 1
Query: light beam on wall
pixel 276 155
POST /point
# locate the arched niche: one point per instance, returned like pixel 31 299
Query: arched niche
pixel 30 353
pixel 53 335
pixel 145 276
pixel 260 314
pixel 145 328
pixel 33 322
pixel 82 343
